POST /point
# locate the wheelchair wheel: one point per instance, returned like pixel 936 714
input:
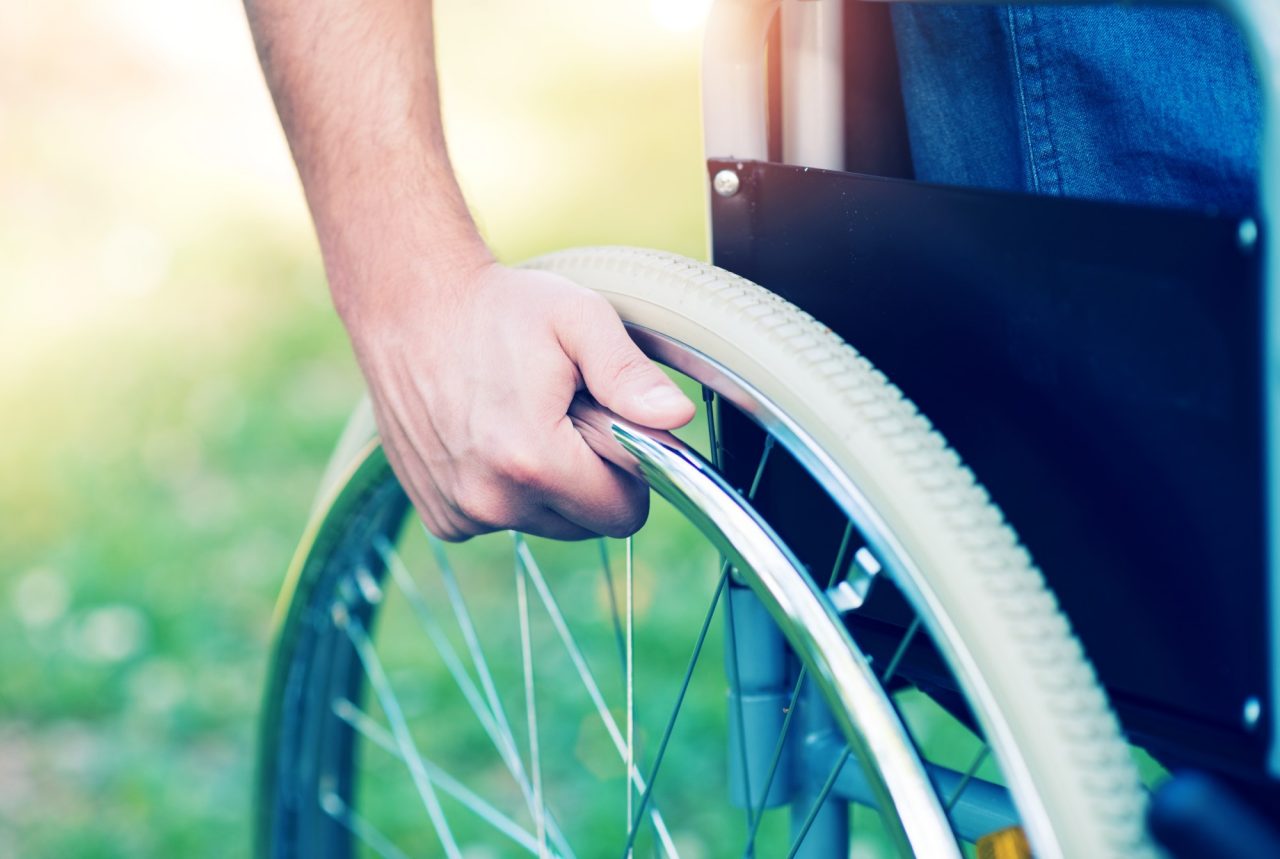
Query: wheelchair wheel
pixel 920 693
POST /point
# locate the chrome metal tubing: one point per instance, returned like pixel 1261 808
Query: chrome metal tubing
pixel 867 718
pixel 733 79
pixel 812 61
pixel 884 544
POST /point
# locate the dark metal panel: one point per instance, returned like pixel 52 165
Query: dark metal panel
pixel 1099 368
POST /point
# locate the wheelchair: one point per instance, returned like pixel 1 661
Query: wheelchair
pixel 1041 620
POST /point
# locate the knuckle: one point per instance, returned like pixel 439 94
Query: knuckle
pixel 447 531
pixel 629 515
pixel 592 305
pixel 625 361
pixel 480 502
pixel 520 465
pixel 593 313
pixel 627 525
pixel 435 528
pixel 440 520
pixel 451 535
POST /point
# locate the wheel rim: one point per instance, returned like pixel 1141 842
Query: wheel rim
pixel 359 602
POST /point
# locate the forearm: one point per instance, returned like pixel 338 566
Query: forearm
pixel 355 85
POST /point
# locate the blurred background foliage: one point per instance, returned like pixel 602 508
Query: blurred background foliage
pixel 172 376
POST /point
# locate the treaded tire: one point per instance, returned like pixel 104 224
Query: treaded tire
pixel 1013 651
pixel 984 602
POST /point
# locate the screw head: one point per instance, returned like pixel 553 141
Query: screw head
pixel 726 183
pixel 1252 713
pixel 339 614
pixel 332 804
pixel 1247 234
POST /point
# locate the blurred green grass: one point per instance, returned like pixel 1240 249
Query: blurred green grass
pixel 171 375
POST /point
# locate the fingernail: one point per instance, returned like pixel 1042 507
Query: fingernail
pixel 664 397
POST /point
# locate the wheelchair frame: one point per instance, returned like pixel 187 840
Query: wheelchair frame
pixel 811 57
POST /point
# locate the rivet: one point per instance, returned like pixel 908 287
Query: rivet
pixel 1252 712
pixel 368 585
pixel 1247 234
pixel 726 183
pixel 332 804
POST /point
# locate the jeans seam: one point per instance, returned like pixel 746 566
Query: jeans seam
pixel 1042 155
pixel 1022 97
pixel 1052 166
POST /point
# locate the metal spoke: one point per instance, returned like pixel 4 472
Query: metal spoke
pixel 570 643
pixel 968 776
pixel 763 461
pixel 774 761
pixel 889 672
pixel 693 659
pixel 818 801
pixel 468 629
pixel 366 726
pixel 631 683
pixel 735 686
pixel 795 697
pixel 588 680
pixel 404 580
pixel 840 553
pixel 531 708
pixel 613 604
pixel 892 667
pixel 399 728
pixel 675 710
pixel 507 749
pixel 482 697
pixel 499 734
pixel 709 399
pixel 359 827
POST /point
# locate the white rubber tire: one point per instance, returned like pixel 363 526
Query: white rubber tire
pixel 1027 678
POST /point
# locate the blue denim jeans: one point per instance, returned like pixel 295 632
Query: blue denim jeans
pixel 1143 105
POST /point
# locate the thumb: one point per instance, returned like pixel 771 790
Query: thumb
pixel 620 376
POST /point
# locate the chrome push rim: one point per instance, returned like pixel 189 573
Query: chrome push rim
pixel 921 803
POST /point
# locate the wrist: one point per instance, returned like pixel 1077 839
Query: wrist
pixel 395 230
pixel 376 275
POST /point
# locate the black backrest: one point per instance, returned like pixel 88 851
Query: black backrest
pixel 1099 367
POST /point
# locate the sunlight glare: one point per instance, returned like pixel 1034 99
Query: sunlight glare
pixel 679 16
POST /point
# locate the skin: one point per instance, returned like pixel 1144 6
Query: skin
pixel 473 367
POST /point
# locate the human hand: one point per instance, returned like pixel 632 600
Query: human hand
pixel 472 385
